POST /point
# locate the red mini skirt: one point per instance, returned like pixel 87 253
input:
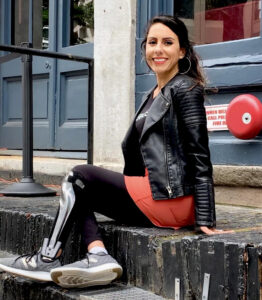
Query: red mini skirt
pixel 172 213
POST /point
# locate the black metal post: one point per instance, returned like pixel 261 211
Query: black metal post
pixel 27 186
pixel 90 120
pixel 27 118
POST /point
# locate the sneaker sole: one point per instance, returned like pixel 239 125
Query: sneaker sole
pixel 34 275
pixel 80 278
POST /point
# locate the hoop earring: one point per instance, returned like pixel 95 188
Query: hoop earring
pixel 189 67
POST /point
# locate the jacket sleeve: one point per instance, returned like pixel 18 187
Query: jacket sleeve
pixel 192 119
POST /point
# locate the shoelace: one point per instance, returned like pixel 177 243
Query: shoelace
pixel 87 257
pixel 28 256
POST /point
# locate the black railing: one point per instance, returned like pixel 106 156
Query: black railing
pixel 27 186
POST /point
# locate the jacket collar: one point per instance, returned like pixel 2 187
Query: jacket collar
pixel 176 80
pixel 157 110
pixel 160 104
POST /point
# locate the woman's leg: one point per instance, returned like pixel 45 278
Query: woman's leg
pixel 105 192
pixel 86 190
pixel 102 191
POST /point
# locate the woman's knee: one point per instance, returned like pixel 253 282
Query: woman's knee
pixel 84 172
pixel 80 169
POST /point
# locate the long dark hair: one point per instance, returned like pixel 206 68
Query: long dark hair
pixel 179 28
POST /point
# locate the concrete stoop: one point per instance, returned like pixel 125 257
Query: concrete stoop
pixel 171 264
pixel 21 289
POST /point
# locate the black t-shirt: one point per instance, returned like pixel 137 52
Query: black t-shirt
pixel 140 120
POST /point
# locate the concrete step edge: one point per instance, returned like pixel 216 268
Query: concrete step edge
pixel 153 258
pixel 13 288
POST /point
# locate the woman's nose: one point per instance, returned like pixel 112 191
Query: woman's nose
pixel 158 48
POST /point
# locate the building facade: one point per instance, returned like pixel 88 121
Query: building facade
pixel 227 36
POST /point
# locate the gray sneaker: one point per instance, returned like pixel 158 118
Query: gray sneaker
pixel 29 266
pixel 95 269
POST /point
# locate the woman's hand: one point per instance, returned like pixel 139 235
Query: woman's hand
pixel 210 231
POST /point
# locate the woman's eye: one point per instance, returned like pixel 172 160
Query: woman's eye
pixel 151 42
pixel 168 43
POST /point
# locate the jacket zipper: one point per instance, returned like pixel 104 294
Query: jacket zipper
pixel 168 185
pixel 169 190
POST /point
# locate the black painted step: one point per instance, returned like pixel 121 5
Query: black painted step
pixel 15 288
pixel 154 259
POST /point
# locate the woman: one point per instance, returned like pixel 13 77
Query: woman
pixel 167 178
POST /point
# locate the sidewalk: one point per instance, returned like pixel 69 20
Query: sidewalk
pixel 51 170
pixel 47 170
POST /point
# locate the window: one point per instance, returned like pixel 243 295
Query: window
pixel 213 21
pixel 45 24
pixel 20 13
pixel 82 22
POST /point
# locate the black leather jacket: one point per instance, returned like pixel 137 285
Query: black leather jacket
pixel 174 147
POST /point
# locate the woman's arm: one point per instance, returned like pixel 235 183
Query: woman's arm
pixel 210 231
pixel 192 122
pixel 192 118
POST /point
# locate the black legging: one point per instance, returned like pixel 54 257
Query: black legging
pixel 105 193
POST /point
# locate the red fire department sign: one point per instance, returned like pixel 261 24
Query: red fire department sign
pixel 216 117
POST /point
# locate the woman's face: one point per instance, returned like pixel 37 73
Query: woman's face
pixel 163 51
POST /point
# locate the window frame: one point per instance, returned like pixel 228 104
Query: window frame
pixel 5 21
pixel 239 54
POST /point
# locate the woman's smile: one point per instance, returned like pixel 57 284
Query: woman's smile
pixel 163 52
pixel 159 60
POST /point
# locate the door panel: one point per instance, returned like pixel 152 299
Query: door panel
pixel 11 82
pixel 72 108
pixel 72 82
pixel 60 88
pixel 11 124
pixel 11 133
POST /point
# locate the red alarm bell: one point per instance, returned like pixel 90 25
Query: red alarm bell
pixel 244 116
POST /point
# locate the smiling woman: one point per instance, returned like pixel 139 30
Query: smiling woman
pixel 163 52
pixel 175 41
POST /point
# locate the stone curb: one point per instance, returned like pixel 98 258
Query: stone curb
pixel 250 176
pixel 52 170
pixel 153 258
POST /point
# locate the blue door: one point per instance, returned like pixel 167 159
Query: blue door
pixel 59 87
pixel 72 77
